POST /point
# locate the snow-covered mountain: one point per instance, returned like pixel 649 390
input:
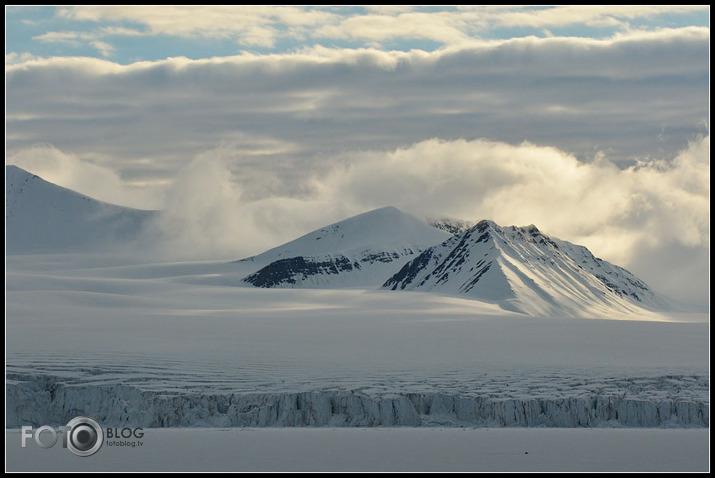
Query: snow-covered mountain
pixel 43 217
pixel 360 251
pixel 526 271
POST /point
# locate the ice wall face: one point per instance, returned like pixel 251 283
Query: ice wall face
pixel 45 401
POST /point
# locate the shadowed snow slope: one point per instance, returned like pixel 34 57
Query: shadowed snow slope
pixel 43 217
pixel 360 251
pixel 526 271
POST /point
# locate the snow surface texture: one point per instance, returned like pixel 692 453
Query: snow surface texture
pixel 403 449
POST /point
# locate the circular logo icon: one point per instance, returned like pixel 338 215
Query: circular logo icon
pixel 85 436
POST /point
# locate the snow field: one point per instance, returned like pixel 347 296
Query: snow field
pixel 383 449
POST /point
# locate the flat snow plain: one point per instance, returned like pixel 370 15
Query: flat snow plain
pixel 383 450
pixel 93 323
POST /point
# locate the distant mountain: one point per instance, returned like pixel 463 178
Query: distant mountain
pixel 358 252
pixel 526 271
pixel 43 217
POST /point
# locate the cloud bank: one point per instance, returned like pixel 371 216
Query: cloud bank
pixel 636 96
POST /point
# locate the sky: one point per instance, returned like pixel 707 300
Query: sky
pixel 261 123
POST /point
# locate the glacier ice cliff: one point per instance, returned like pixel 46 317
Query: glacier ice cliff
pixel 45 400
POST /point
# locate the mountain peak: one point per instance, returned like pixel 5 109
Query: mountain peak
pixel 16 177
pixel 16 170
pixel 484 223
pixel 524 270
pixel 385 227
pixel 360 250
pixel 43 217
pixel 385 210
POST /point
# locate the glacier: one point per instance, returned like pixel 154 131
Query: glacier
pixel 661 401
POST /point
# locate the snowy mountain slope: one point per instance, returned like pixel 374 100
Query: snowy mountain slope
pixel 526 271
pixel 43 217
pixel 360 251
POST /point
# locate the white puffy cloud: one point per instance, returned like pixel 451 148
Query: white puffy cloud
pixel 259 25
pixel 614 209
pixel 442 27
pixel 253 25
pixel 14 57
pixel 594 15
pixel 211 211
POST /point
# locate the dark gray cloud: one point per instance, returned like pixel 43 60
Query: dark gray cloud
pixel 638 96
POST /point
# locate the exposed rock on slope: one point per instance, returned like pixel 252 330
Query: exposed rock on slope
pixel 360 251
